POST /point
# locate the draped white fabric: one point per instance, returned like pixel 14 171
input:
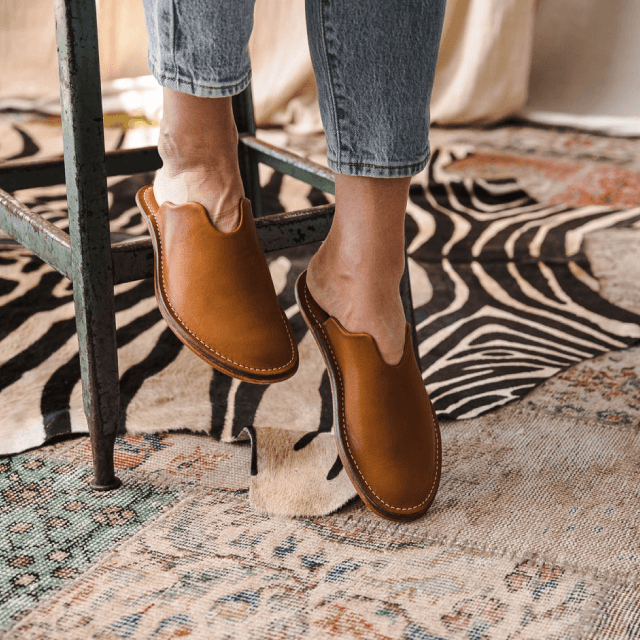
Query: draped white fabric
pixel 581 49
pixel 484 60
pixel 482 74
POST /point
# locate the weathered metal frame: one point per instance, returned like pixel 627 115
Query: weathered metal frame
pixel 86 254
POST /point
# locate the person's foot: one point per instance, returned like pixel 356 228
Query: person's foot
pixel 355 275
pixel 364 297
pixel 218 193
pixel 386 430
pixel 198 145
pixel 184 178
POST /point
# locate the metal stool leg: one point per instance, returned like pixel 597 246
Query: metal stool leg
pixel 243 114
pixel 92 268
pixel 407 303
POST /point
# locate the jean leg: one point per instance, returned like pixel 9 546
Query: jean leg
pixel 374 63
pixel 200 47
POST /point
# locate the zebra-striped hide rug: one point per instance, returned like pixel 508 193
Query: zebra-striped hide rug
pixel 505 298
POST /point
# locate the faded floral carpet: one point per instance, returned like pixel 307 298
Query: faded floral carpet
pixel 534 533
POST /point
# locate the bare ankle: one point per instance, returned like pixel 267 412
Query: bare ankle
pixel 188 151
pixel 348 263
pixel 219 192
pixel 364 298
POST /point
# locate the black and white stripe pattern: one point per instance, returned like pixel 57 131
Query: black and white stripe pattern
pixel 504 299
pixel 513 300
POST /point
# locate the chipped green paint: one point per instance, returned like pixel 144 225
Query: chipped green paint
pixel 245 123
pixel 291 164
pixel 44 173
pixel 35 233
pixel 92 270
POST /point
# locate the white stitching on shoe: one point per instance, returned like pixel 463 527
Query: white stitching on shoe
pixel 293 352
pixel 433 418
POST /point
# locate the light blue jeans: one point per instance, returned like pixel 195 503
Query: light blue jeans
pixel 374 62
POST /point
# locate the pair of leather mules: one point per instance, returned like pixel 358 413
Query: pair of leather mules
pixel 215 291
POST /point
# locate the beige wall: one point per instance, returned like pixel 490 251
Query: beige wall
pixel 28 63
pixel 585 63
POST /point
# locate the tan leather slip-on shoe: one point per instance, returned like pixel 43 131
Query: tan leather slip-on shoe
pixel 387 432
pixel 215 291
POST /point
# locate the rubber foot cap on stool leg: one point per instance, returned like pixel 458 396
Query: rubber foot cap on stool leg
pixel 105 487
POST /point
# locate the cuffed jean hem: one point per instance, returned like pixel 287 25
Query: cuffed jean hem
pixel 184 85
pixel 378 171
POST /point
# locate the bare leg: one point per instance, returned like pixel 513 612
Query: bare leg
pixel 199 149
pixel 355 276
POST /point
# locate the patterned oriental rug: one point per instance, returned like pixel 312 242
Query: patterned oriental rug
pixel 525 310
pixel 504 294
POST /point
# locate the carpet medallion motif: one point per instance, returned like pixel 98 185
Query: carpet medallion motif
pixel 526 331
pixel 53 526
